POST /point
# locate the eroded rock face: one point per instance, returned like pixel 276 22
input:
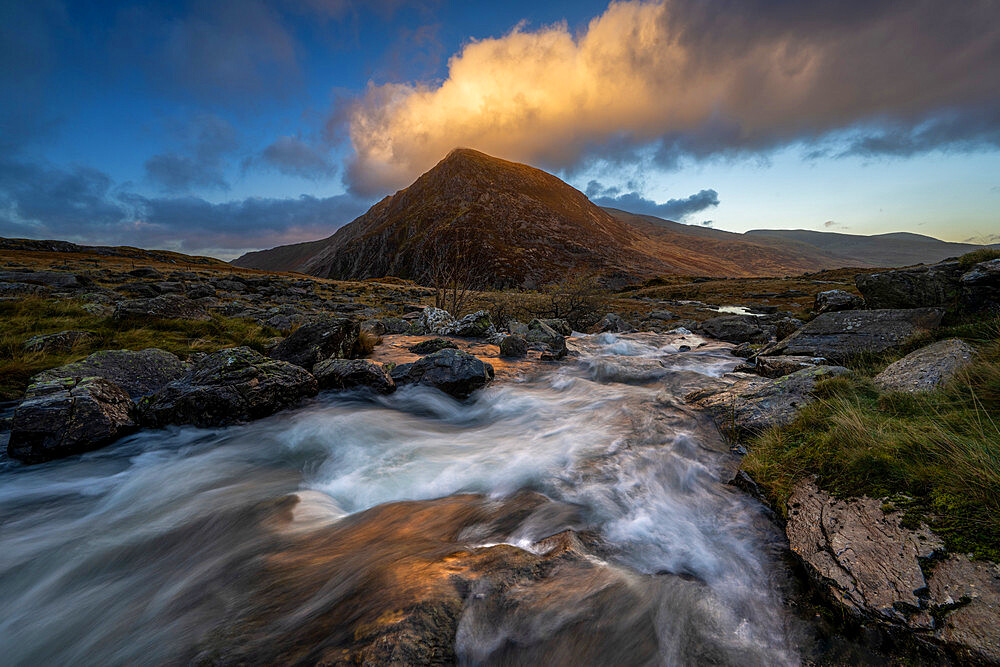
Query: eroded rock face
pixel 927 368
pixel 454 372
pixel 751 403
pixel 842 335
pixel 733 329
pixel 353 373
pixel 317 340
pixel 228 386
pixel 869 564
pixel 65 416
pixel 837 299
pixel 139 373
pixel 936 285
pixel 166 306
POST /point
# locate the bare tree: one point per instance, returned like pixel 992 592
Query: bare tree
pixel 455 264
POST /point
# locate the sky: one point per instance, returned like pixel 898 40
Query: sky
pixel 216 127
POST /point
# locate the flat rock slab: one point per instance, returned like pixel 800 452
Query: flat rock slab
pixel 926 368
pixel 139 373
pixel 845 334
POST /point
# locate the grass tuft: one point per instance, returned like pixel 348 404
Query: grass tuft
pixel 970 259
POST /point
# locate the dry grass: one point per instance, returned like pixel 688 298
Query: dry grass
pixel 366 343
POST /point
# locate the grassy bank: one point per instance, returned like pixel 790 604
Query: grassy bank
pixel 23 318
pixel 936 455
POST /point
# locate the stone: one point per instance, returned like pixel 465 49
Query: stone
pixel 833 300
pixel 733 329
pixel 513 346
pixel 662 315
pixel 53 279
pixel 166 306
pixel 781 365
pixel 539 332
pixel 352 374
pixel 927 368
pixel 966 597
pixel 200 291
pixel 786 326
pixel 19 290
pixel 559 325
pixel 751 404
pixel 321 338
pixel 843 335
pixel 474 325
pixel 146 272
pixel 981 286
pixel 432 345
pixel 226 387
pixel 433 320
pixel 139 373
pixel 745 350
pixel 612 323
pixel 454 372
pixel 65 416
pixel 936 285
pixel 62 341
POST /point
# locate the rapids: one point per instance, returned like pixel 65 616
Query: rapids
pixel 134 554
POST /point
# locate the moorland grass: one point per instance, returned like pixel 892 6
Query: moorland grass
pixel 23 318
pixel 934 455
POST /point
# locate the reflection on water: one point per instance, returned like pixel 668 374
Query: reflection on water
pixel 139 552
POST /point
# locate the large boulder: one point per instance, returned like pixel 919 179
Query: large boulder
pixel 842 335
pixel 876 569
pixel 734 329
pixel 513 346
pixel 64 416
pixel 752 403
pixel 557 324
pixel 139 373
pixel 926 368
pixel 543 334
pixel 981 286
pixel 432 345
pixel 612 323
pixel 434 320
pixel 62 341
pixel 228 386
pixel 474 325
pixel 936 285
pixel 833 300
pixel 321 338
pixel 352 374
pixel 53 279
pixel 454 372
pixel 166 306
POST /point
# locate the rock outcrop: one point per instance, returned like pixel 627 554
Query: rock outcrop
pixel 734 329
pixel 321 338
pixel 513 346
pixel 64 416
pixel 454 372
pixel 166 306
pixel 139 373
pixel 62 341
pixel 228 386
pixel 612 323
pixel 837 299
pixel 353 374
pixel 842 335
pixel 934 286
pixel 926 368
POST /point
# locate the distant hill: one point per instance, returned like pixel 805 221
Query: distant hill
pixel 128 252
pixel 522 226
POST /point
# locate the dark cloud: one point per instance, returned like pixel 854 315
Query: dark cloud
pixel 205 141
pixel 293 157
pixel 82 204
pixel 633 202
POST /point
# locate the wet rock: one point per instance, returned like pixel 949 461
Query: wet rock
pixel 612 323
pixel 474 325
pixel 834 300
pixel 353 373
pixel 228 386
pixel 733 329
pixel 926 368
pixel 65 416
pixel 752 404
pixel 936 285
pixel 559 325
pixel 745 350
pixel 433 320
pixel 842 335
pixel 513 346
pixel 386 325
pixel 139 373
pixel 539 332
pixel 432 345
pixel 454 372
pixel 62 341
pixel 321 338
pixel 166 306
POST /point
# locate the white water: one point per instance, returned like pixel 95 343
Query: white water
pixel 124 555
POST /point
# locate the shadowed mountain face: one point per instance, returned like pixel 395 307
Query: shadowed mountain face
pixel 518 225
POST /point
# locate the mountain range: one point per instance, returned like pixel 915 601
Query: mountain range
pixel 522 226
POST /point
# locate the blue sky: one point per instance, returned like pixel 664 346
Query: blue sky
pixel 219 127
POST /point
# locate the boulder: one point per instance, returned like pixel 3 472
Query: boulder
pixel 786 326
pixel 845 334
pixel 19 290
pixel 733 329
pixel 875 569
pixel 433 320
pixel 981 286
pixel 62 341
pixel 352 374
pixel 228 386
pixel 53 279
pixel 65 416
pixel 201 291
pixel 751 404
pixel 662 315
pixel 781 365
pixel 837 299
pixel 474 325
pixel 926 368
pixel 745 350
pixel 539 332
pixel 559 325
pixel 146 272
pixel 432 345
pixel 936 285
pixel 320 338
pixel 612 323
pixel 513 346
pixel 139 373
pixel 454 372
pixel 166 306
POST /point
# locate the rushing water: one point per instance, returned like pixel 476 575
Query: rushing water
pixel 120 556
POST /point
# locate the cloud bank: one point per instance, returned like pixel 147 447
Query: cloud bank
pixel 694 78
pixel 633 202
